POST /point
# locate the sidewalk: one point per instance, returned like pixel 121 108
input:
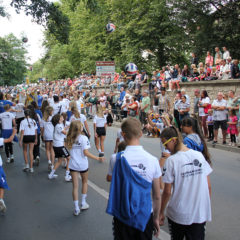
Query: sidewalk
pixel 219 145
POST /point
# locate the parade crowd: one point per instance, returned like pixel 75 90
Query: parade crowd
pixel 56 114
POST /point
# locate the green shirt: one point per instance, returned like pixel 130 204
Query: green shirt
pixel 145 101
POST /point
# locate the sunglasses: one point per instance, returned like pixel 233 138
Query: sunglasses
pixel 169 140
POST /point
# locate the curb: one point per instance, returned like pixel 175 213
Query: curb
pixel 210 145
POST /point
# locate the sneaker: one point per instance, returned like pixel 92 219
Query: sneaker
pixel 26 168
pixel 31 170
pixel 224 143
pixel 12 159
pixel 76 212
pixel 3 207
pixel 101 154
pixel 234 144
pixel 147 134
pixel 84 206
pixel 52 176
pixel 37 160
pixel 68 178
pixel 8 160
pixel 230 144
pixel 214 142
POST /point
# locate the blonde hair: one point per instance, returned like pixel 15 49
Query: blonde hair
pixel 100 111
pixel 131 128
pixel 72 104
pixel 47 113
pixel 75 111
pixel 75 130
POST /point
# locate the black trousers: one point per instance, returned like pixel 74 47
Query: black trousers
pixel 8 149
pixel 195 231
pixel 176 116
pixel 210 132
pixel 36 151
pixel 233 138
pixel 121 231
pixel 18 121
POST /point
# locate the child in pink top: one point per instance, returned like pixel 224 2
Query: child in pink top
pixel 232 127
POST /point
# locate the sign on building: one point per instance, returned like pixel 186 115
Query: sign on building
pixel 105 69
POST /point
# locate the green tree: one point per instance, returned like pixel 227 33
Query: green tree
pixel 12 60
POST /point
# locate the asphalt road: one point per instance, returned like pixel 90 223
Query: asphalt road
pixel 42 209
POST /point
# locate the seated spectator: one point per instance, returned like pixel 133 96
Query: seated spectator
pixel 202 74
pixel 200 65
pixel 133 107
pixel 185 73
pixel 194 76
pixel 207 70
pixel 235 71
pixel 213 75
pixel 168 75
pixel 176 74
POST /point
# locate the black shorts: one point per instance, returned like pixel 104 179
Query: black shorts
pixel 61 152
pixel 48 140
pixel 101 131
pixel 123 231
pixel 222 124
pixel 71 170
pixel 191 232
pixel 29 139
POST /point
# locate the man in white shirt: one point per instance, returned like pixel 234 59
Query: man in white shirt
pixel 226 53
pixel 225 72
pixel 219 107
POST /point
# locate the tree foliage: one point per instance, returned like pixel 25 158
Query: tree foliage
pixel 12 60
pixel 166 30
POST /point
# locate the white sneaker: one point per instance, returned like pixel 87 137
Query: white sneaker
pixel 8 160
pixel 84 206
pixel 26 168
pixel 31 170
pixel 37 160
pixel 68 178
pixel 52 176
pixel 3 207
pixel 12 159
pixel 76 212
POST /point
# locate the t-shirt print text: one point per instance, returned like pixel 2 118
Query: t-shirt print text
pixel 192 172
pixel 140 169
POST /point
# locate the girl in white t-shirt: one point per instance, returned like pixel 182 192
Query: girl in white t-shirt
pixel 78 145
pixel 77 116
pixel 8 122
pixel 100 126
pixel 60 151
pixel 47 134
pixel 187 189
pixel 28 137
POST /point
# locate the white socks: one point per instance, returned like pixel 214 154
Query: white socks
pixel 76 205
pixel 99 150
pixel 52 172
pixel 84 196
pixel 67 172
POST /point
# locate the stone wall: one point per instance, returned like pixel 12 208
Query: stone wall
pixel 212 87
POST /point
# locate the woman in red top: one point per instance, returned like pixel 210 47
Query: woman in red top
pixel 133 108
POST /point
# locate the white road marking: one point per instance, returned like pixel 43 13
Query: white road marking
pixel 162 236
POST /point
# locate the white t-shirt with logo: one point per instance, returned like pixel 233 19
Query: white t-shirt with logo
pixel 7 119
pixel 28 125
pixel 20 107
pixel 99 121
pixel 190 199
pixel 78 161
pixel 142 162
pixel 82 118
pixel 57 108
pixel 201 109
pixel 219 115
pixel 47 129
pixel 58 136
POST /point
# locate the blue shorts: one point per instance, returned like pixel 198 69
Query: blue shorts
pixel 3 181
